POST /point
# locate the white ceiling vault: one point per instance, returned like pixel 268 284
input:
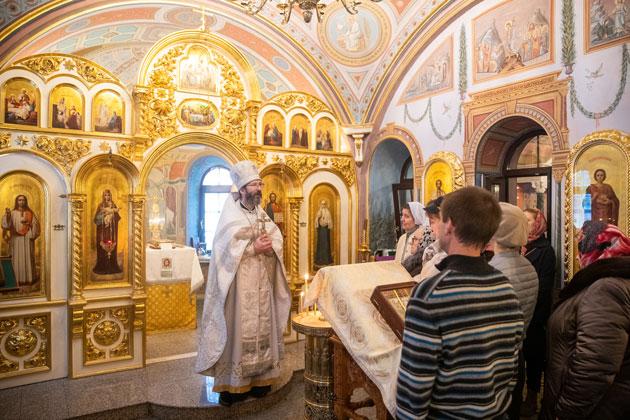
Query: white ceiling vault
pixel 353 64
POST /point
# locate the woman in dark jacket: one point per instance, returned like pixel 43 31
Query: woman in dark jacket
pixel 588 366
pixel 541 255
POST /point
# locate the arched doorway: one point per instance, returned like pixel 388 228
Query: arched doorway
pixel 390 188
pixel 514 163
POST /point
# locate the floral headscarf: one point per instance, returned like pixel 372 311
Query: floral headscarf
pixel 540 225
pixel 598 240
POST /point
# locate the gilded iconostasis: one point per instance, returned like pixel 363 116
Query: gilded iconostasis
pixel 119 124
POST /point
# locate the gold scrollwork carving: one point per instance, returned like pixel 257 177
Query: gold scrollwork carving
pixel 92 353
pixel 93 317
pixel 302 165
pixel 157 103
pixel 43 65
pixel 7 325
pixel 292 99
pixel 63 150
pixel 345 166
pixel 47 64
pixel 233 109
pixel 40 359
pixel 25 346
pixel 106 333
pixel 90 72
pixel 39 323
pixel 121 350
pixel 21 342
pixel 259 157
pixel 128 150
pixel 5 139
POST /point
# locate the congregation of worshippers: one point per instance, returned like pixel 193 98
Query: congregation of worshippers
pixel 483 322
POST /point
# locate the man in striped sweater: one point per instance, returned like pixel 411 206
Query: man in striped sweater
pixel 463 326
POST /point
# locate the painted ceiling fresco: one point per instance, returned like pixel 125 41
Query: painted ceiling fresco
pixel 343 59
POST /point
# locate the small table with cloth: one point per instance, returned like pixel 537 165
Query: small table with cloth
pixel 171 305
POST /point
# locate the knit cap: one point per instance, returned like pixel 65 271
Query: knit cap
pixel 512 231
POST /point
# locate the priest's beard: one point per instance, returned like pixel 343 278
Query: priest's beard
pixel 251 200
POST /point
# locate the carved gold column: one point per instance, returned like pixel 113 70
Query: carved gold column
pixel 139 293
pixel 294 237
pixel 77 301
pixel 141 96
pixel 137 206
pixel 252 108
pixel 77 204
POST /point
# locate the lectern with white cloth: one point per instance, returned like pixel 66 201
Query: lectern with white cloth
pixel 342 294
pixel 171 276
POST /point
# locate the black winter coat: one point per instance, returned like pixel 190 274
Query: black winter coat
pixel 540 253
pixel 588 361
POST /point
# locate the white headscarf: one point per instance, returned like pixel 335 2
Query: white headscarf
pixel 417 211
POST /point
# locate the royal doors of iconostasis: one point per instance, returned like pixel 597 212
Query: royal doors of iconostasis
pixel 33 270
pixel 186 181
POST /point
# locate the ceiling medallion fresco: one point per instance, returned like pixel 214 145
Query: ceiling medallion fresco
pixel 355 40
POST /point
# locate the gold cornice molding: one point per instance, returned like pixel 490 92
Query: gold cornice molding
pixel 541 99
pixel 48 65
pixel 29 305
pixel 66 152
pixel 290 100
pixel 522 89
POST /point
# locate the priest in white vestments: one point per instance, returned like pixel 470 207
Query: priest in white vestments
pixel 247 298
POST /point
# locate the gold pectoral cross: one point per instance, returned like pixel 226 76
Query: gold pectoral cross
pixel 261 223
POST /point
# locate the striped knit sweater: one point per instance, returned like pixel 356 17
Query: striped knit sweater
pixel 463 331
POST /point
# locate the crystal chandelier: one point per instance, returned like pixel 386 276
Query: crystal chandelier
pixel 308 7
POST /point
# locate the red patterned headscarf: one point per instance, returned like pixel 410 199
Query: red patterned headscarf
pixel 540 225
pixel 598 240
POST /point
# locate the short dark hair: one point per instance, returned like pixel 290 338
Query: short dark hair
pixel 433 207
pixel 474 212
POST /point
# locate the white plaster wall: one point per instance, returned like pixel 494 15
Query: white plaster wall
pixel 348 216
pixel 595 99
pixel 58 260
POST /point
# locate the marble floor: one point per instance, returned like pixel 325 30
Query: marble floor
pixel 167 387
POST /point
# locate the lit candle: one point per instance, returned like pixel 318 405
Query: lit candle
pixel 301 307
